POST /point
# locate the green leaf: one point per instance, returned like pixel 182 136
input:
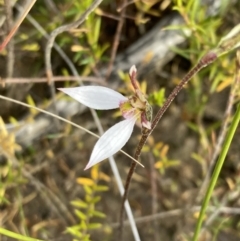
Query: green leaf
pixel 77 57
pixel 80 214
pixel 98 214
pixel 96 32
pixel 85 61
pixel 94 225
pixel 86 237
pixel 96 199
pixel 83 225
pixel 101 188
pixel 88 190
pixel 181 52
pixel 157 97
pixel 74 231
pixel 79 204
pixel 85 181
pixel 11 234
pixel 193 126
pixel 230 41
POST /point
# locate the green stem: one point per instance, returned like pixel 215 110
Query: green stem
pixel 11 234
pixel 217 170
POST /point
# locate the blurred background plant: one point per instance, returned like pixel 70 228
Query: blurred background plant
pixel 85 209
pixel 39 194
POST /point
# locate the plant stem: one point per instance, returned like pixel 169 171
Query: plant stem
pixel 205 61
pixel 224 150
pixel 17 24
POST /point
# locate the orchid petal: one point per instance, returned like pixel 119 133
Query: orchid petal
pixel 111 141
pixel 96 97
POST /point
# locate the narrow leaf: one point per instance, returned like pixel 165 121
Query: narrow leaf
pixel 94 225
pixel 85 181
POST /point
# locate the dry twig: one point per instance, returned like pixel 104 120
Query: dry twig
pixel 116 39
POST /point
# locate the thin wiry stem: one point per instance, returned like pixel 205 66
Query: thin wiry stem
pixel 154 194
pixel 54 78
pixel 116 40
pixel 205 61
pixel 15 27
pixel 10 46
pixel 179 212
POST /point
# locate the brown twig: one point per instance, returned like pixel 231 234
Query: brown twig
pixel 15 27
pixel 205 61
pixel 54 78
pixel 127 4
pixel 108 15
pixel 10 46
pixel 179 212
pixel 153 179
pixel 116 40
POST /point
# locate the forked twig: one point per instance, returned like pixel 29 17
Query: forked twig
pixel 62 29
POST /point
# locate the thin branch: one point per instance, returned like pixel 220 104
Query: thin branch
pixel 16 26
pixel 127 4
pixel 10 46
pixel 54 78
pixel 112 16
pixel 116 40
pixel 154 194
pixel 179 212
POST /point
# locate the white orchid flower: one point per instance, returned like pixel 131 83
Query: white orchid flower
pixel 102 98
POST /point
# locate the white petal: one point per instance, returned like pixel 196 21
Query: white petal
pixel 96 97
pixel 111 141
